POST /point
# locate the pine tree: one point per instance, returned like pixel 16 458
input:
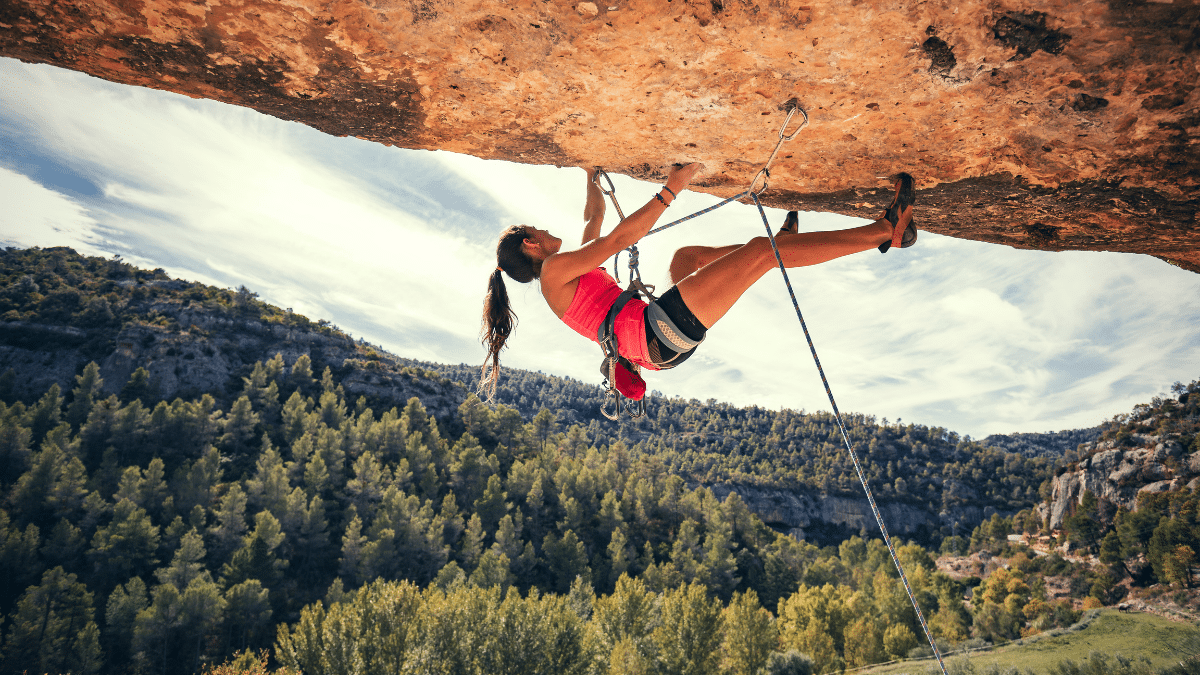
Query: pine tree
pixel 138 388
pixel 628 616
pixel 126 546
pixel 566 559
pixel 472 543
pixel 65 546
pixel 352 545
pixel 87 387
pixel 491 507
pixel 331 408
pixel 50 624
pixel 195 485
pixel 749 635
pixel 301 377
pixel 268 488
pixel 690 633
pixel 365 489
pixel 239 427
pixel 248 614
pixel 508 537
pixel 45 414
pixel 253 561
pixel 295 417
pixel 124 604
pixel 493 569
pixel 186 564
pixel 620 553
pixel 230 527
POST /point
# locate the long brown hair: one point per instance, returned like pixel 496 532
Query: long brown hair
pixel 498 316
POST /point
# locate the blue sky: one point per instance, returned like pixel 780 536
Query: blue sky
pixel 395 246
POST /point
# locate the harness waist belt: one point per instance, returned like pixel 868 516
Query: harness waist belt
pixel 667 331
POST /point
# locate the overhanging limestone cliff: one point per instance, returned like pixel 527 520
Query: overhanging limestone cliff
pixel 1052 125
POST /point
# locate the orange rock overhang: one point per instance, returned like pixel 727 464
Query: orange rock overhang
pixel 1051 125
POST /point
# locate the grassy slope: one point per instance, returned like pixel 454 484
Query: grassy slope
pixel 1161 641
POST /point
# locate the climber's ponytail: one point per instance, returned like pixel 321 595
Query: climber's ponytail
pixel 498 317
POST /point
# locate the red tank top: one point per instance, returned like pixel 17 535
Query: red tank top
pixel 594 296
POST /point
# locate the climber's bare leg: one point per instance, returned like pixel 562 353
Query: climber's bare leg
pixel 691 258
pixel 711 288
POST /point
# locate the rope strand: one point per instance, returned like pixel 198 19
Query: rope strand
pixel 846 439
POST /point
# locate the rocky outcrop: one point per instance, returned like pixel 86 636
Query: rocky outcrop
pixel 1052 125
pixel 1119 474
pixel 193 350
pixel 824 518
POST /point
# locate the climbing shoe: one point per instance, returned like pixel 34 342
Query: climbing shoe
pixel 791 224
pixel 901 205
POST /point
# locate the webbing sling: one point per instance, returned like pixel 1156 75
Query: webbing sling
pixel 607 337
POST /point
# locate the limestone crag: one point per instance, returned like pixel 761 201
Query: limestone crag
pixel 1053 125
pixel 1119 474
pixel 808 514
pixel 198 351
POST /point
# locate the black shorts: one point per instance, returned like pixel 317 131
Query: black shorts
pixel 665 354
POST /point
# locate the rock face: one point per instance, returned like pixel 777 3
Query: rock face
pixel 1052 125
pixel 1117 474
pixel 209 354
pixel 830 518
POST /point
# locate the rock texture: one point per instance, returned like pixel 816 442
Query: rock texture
pixel 1118 474
pixel 193 350
pixel 828 519
pixel 1053 125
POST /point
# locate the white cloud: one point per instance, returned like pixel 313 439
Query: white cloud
pixel 396 247
pixel 36 216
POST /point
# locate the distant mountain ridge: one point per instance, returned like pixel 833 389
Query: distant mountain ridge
pixel 1053 444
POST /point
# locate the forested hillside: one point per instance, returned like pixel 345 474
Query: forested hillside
pixel 949 478
pixel 62 310
pixel 156 533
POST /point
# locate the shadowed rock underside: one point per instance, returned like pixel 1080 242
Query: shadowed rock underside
pixel 1052 125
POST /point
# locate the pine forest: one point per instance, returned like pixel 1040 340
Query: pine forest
pixel 301 516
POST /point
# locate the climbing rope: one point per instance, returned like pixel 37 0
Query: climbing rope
pixel 837 415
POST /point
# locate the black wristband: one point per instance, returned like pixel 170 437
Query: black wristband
pixel 659 197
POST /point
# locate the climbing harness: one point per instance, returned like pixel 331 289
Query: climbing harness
pixel 636 286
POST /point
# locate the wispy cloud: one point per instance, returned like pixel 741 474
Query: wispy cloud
pixel 396 246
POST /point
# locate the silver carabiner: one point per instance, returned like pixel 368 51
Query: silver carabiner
pixel 611 192
pixel 765 172
pixel 613 400
pixel 601 173
pixel 635 409
pixel 792 113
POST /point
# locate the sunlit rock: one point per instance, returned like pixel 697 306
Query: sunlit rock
pixel 1052 125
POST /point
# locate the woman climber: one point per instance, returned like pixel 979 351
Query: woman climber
pixel 707 280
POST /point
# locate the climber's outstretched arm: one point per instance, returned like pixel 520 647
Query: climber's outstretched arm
pixel 593 210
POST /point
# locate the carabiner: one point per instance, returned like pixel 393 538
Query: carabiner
pixel 792 112
pixel 613 399
pixel 601 173
pixel 635 409
pixel 765 173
